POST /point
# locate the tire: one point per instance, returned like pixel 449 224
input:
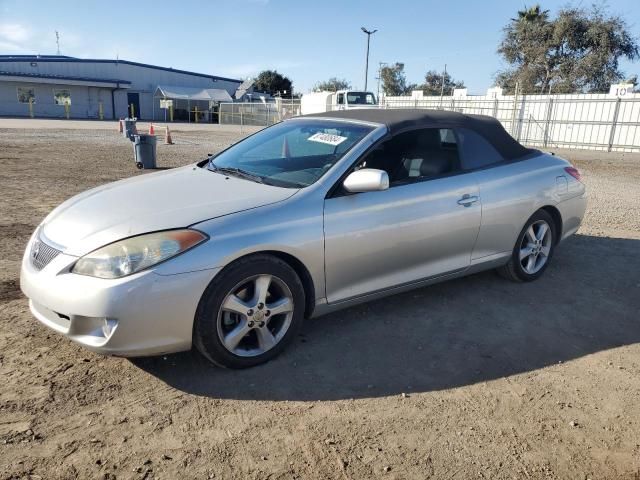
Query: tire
pixel 235 326
pixel 524 270
pixel 139 165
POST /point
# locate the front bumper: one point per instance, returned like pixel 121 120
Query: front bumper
pixel 142 314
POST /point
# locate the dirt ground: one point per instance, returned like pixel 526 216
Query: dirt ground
pixel 474 378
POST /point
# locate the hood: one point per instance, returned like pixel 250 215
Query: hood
pixel 156 201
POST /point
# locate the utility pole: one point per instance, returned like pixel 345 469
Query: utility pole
pixel 444 74
pixel 366 68
pixel 58 41
pixel 381 65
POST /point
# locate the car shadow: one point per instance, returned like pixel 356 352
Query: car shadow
pixel 448 335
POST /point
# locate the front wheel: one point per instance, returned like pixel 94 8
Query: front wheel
pixel 533 250
pixel 250 312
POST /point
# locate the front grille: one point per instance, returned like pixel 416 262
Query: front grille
pixel 41 254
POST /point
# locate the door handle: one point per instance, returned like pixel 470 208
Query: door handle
pixel 467 200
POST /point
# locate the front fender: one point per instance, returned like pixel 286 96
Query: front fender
pixel 292 228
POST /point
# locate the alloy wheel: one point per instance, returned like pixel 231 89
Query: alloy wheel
pixel 255 315
pixel 535 247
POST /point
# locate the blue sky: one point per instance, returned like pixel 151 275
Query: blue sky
pixel 307 41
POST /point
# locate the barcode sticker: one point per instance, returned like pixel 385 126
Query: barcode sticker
pixel 327 138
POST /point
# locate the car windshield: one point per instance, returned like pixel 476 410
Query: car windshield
pixel 292 154
pixel 360 98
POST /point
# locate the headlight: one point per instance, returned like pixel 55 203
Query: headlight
pixel 133 254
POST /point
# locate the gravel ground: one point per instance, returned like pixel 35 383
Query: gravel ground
pixel 474 378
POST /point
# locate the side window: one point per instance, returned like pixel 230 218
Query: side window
pixel 476 151
pixel 340 98
pixel 416 155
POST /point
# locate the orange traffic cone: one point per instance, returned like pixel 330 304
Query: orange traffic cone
pixel 120 126
pixel 167 136
pixel 152 130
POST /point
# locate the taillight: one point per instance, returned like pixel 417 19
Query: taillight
pixel 574 172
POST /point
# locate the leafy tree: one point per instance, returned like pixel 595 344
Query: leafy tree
pixel 578 51
pixel 433 83
pixel 394 81
pixel 332 85
pixel 273 83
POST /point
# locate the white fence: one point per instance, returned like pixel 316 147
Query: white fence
pixel 585 121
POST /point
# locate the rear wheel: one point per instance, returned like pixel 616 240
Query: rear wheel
pixel 250 312
pixel 533 250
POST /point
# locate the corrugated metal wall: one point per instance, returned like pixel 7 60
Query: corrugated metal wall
pixel 144 81
pixel 85 101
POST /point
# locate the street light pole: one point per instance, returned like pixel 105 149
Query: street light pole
pixel 366 68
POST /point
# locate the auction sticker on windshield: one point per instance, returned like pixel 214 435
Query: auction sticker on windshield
pixel 327 138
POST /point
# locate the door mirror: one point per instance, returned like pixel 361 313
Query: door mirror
pixel 366 180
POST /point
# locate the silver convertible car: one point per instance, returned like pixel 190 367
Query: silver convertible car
pixel 311 215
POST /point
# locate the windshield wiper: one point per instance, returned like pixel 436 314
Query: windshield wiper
pixel 237 172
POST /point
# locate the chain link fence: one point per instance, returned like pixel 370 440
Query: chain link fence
pixel 258 113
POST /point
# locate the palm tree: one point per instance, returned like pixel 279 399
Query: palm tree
pixel 532 14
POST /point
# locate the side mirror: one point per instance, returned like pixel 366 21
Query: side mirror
pixel 366 180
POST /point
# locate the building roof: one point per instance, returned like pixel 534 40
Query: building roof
pixel 398 120
pixel 191 93
pixel 69 80
pixel 243 88
pixel 65 59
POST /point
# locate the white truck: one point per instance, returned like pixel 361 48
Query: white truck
pixel 318 102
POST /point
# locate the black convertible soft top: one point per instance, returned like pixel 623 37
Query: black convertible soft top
pixel 398 120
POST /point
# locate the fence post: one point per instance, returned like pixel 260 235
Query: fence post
pixel 547 123
pixel 614 123
pixel 521 109
pixel 515 107
pixel 495 108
